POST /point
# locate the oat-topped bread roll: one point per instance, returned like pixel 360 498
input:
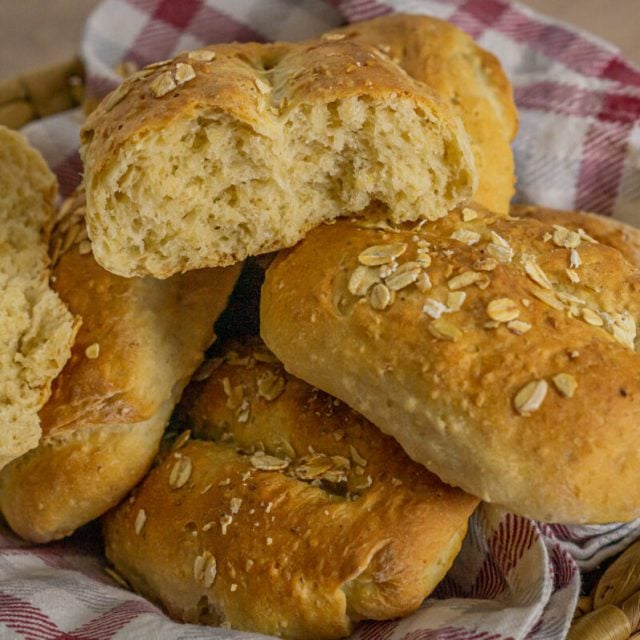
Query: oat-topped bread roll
pixel 139 343
pixel 36 328
pixel 291 515
pixel 616 234
pixel 468 77
pixel 240 149
pixel 500 353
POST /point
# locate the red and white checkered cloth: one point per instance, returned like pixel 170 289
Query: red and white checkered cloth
pixel 578 147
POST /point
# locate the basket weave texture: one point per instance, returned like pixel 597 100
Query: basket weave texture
pixel 40 93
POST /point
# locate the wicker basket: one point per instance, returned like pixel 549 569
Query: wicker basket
pixel 40 93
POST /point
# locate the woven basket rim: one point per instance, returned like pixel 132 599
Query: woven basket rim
pixel 41 92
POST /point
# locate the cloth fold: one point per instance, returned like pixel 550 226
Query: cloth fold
pixel 578 147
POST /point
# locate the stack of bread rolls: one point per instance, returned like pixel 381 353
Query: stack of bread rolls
pixel 140 341
pixel 422 346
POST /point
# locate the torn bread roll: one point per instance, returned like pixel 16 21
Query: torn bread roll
pixel 237 150
pixel 291 515
pixel 36 327
pixel 140 341
pixel 500 353
pixel 471 79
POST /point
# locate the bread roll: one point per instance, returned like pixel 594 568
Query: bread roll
pixel 139 343
pixel 500 353
pixel 36 328
pixel 291 515
pixel 239 149
pixel 616 234
pixel 468 77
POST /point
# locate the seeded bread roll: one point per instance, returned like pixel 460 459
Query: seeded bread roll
pixel 139 343
pixel 616 234
pixel 296 517
pixel 500 353
pixel 37 329
pixel 239 149
pixel 471 79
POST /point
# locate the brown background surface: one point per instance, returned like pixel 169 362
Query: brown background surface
pixel 34 33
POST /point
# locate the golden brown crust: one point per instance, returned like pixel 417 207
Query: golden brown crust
pixel 350 529
pixel 449 389
pixel 448 61
pixel 71 479
pixel 104 420
pixel 616 234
